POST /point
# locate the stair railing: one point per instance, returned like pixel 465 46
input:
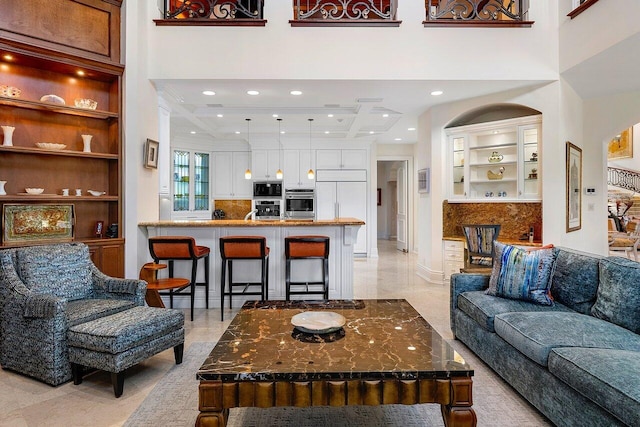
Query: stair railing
pixel 624 178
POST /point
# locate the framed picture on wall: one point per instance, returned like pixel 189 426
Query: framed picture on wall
pixel 621 147
pixel 423 180
pixel 574 184
pixel 151 154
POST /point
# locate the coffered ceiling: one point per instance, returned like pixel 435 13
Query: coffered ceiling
pixel 364 110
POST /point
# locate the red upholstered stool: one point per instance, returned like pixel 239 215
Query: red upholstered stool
pixel 171 248
pixel 243 248
pixel 307 247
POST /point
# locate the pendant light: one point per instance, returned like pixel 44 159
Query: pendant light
pixel 279 171
pixel 247 173
pixel 310 174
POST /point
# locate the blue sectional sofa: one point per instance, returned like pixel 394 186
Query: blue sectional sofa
pixel 578 360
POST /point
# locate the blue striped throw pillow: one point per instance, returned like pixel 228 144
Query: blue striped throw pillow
pixel 521 274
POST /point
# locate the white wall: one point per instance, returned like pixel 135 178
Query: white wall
pixel 141 122
pixel 279 51
pixel 584 36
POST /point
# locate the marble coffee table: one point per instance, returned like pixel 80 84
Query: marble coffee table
pixel 386 353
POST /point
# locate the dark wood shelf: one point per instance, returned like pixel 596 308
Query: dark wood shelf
pixel 57 108
pixel 57 198
pixel 65 153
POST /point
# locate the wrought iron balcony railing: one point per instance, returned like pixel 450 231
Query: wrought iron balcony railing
pixel 503 13
pixel 623 178
pixel 212 12
pixel 344 12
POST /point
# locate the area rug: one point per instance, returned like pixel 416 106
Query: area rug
pixel 174 402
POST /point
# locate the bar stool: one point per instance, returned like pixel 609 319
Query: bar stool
pixel 243 248
pixel 171 248
pixel 307 247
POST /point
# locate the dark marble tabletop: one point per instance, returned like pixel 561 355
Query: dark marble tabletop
pixel 381 339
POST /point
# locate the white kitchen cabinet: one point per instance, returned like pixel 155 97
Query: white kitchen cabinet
pixel 228 175
pixel 341 159
pixel 452 257
pixel 296 165
pixel 344 199
pixel 264 164
pixel 495 161
pixel 190 187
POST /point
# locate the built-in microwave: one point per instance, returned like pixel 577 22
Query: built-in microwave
pixel 300 203
pixel 267 189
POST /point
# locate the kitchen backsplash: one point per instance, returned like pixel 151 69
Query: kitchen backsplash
pixel 233 209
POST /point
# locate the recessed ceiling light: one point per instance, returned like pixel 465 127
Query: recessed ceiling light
pixel 437 93
pixel 296 92
pixel 371 132
pixel 282 132
pixel 326 132
pixel 496 132
pixel 385 115
pixel 253 92
pixel 398 139
pixel 80 73
pixel 329 115
pixel 220 115
pixel 193 132
pixel 274 115
pixel 208 92
pixel 7 57
pixel 237 132
pixel 411 129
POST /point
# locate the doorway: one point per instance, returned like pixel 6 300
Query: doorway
pixel 393 204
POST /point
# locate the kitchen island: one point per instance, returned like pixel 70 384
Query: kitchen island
pixel 341 231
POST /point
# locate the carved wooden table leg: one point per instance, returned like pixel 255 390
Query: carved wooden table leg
pixel 210 405
pixel 459 411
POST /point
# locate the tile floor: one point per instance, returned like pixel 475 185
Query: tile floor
pixel 26 402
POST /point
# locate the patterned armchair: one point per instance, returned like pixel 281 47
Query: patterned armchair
pixel 44 290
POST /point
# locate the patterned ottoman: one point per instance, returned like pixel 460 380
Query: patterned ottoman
pixel 114 343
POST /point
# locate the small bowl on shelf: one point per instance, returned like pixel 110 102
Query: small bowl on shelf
pixel 53 99
pixel 34 190
pixel 96 193
pixel 50 145
pixel 86 103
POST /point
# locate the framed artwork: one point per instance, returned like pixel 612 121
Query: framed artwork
pixel 423 180
pixel 621 147
pixel 379 196
pixel 151 154
pixel 25 223
pixel 574 184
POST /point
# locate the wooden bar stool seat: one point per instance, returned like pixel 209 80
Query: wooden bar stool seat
pixel 301 248
pixel 243 248
pixel 172 248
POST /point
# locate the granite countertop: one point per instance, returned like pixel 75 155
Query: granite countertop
pixel 252 223
pixel 380 339
pixel 506 242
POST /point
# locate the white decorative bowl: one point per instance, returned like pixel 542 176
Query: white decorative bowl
pixel 96 193
pixel 54 99
pixel 51 145
pixel 318 322
pixel 34 190
pixel 87 103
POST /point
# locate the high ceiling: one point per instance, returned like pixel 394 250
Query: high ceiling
pixel 365 110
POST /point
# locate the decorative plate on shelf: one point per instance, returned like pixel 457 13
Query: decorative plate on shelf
pixel 87 103
pixel 51 145
pixel 96 193
pixel 318 322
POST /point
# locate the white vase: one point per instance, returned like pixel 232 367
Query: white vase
pixel 2 192
pixel 86 140
pixel 8 135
